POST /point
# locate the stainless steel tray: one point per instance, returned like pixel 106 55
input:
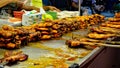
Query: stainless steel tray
pixel 35 50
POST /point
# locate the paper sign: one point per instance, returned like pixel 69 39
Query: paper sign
pixel 37 3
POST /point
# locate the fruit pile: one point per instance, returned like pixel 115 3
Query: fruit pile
pixel 16 37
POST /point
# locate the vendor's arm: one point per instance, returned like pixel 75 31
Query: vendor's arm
pixel 23 6
pixel 28 8
pixel 52 8
pixel 75 5
pixel 37 9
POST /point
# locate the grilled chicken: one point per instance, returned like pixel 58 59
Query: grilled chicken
pixel 117 15
pixel 100 36
pixel 111 25
pixel 45 37
pixel 11 57
pixel 114 23
pixel 11 37
pixel 84 43
pixel 105 30
pixel 34 36
pixel 114 19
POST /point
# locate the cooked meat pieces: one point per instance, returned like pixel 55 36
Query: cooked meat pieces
pixel 21 31
pixel 105 30
pixel 114 19
pixel 6 34
pixel 56 26
pixel 48 24
pixel 45 33
pixel 111 25
pixel 45 37
pixel 83 43
pixel 117 15
pixel 11 37
pixel 100 36
pixel 11 45
pixel 42 29
pixel 10 53
pixel 97 30
pixel 54 31
pixel 2 44
pixel 34 36
pixel 73 43
pixel 13 57
pixel 7 27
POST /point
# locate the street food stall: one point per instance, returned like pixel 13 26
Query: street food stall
pixel 45 43
pixel 59 40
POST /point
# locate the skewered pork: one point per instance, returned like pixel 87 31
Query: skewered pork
pixel 42 29
pixel 7 27
pixel 105 30
pixel 100 36
pixel 16 37
pixel 114 19
pixel 45 37
pixel 111 25
pixel 117 15
pixel 11 57
pixel 34 36
pixel 114 23
pixel 83 42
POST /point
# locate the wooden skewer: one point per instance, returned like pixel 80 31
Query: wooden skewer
pixel 100 44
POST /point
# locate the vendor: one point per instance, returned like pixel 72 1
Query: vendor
pixel 61 4
pixel 15 5
pixel 46 4
pixel 91 5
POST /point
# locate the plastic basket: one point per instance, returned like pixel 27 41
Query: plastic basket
pixel 18 14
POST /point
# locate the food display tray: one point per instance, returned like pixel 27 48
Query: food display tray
pixel 35 50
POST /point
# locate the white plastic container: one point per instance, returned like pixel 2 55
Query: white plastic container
pixel 29 19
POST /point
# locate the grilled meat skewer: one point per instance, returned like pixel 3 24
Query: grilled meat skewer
pixel 11 57
pixel 78 43
pixel 105 30
pixel 100 36
pixel 111 25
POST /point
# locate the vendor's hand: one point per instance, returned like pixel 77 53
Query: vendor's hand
pixel 99 7
pixel 102 8
pixel 53 8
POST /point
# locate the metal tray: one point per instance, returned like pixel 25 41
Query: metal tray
pixel 6 22
pixel 35 50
